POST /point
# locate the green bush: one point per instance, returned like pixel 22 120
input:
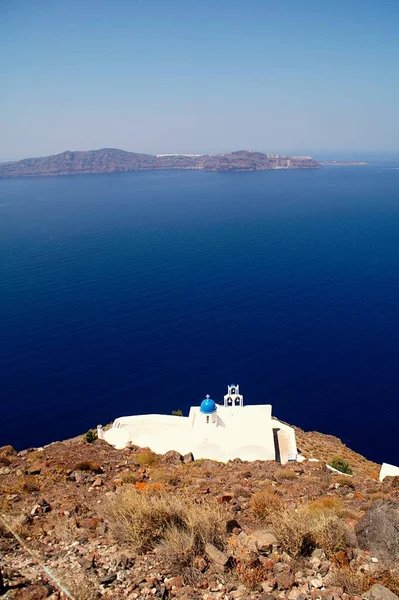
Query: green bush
pixel 90 436
pixel 177 413
pixel 341 465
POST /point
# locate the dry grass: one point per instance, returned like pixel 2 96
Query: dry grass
pixel 324 504
pixel 202 524
pixel 285 474
pixel 352 583
pixel 146 458
pixel 241 490
pixel 179 528
pixel 347 513
pixel 251 575
pixel 389 580
pixel 344 480
pixel 143 519
pixel 28 484
pixel 129 478
pixel 265 504
pixel 300 531
pixel 166 476
pixel 379 496
pixel 89 466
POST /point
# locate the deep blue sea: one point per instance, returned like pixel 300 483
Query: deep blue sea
pixel 142 292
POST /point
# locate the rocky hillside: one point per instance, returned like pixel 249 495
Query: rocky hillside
pixel 82 520
pixel 109 160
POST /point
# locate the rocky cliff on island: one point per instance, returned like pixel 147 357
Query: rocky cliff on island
pixel 82 520
pixel 109 160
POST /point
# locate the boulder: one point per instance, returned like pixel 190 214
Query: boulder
pixel 379 592
pixel 284 581
pixel 173 457
pixel 378 530
pixel 260 541
pixel 218 558
pixel 7 451
pixel 264 540
pixel 189 457
pixel 33 592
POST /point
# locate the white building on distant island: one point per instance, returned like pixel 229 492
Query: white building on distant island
pixel 217 432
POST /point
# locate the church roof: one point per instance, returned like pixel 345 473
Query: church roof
pixel 208 406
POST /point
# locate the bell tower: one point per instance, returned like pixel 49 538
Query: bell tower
pixel 233 396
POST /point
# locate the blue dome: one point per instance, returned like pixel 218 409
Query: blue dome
pixel 208 406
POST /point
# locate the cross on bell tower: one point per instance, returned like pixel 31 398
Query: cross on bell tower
pixel 233 396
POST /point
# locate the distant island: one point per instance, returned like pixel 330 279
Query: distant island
pixel 111 160
pixel 343 163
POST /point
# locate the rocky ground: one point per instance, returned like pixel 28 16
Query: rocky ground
pixel 84 521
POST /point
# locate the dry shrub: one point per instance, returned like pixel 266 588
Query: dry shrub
pixel 28 484
pixel 265 504
pixel 342 480
pixel 4 461
pixel 300 531
pixel 129 478
pixel 378 496
pixel 293 532
pixel 353 583
pixel 146 458
pixel 347 513
pixel 88 465
pixel 165 476
pixel 324 504
pixel 241 490
pixel 202 524
pixel 251 575
pixel 285 474
pixel 145 520
pixel 180 529
pixel 141 520
pixel 388 579
pixel 331 533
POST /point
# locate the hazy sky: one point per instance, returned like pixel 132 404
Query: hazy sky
pixel 312 76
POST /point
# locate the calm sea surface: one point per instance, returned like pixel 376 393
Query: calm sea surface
pixel 142 292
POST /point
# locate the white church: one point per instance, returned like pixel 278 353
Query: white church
pixel 214 431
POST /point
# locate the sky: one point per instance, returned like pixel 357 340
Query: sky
pixel 157 76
